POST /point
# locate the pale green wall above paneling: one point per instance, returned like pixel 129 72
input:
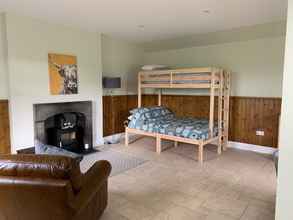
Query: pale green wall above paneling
pixel 3 59
pixel 254 54
pixel 284 209
pixel 257 65
pixel 121 59
pixel 273 29
pixel 29 42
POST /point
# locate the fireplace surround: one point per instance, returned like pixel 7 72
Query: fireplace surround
pixel 67 125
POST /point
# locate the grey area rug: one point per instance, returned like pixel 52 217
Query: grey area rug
pixel 120 162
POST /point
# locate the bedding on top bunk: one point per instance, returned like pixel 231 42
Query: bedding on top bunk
pixel 162 120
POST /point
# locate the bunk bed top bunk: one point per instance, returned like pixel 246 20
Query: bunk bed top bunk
pixel 194 78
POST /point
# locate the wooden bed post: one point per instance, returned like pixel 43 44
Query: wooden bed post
pixel 200 153
pixel 158 144
pixel 212 103
pixel 126 137
pixel 160 97
pixel 139 91
pixel 227 108
pixel 220 112
pixel 176 144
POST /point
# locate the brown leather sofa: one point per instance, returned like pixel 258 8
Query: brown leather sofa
pixel 41 187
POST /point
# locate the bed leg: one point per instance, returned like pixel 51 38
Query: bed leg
pixel 158 144
pixel 126 138
pixel 225 145
pixel 220 145
pixel 176 144
pixel 200 153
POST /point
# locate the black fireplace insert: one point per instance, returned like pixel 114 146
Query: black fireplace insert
pixel 66 130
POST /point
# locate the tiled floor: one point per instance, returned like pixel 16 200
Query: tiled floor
pixel 173 186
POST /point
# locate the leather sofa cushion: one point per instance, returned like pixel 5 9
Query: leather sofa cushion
pixel 42 166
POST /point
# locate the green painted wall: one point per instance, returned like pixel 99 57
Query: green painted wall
pixel 29 42
pixel 257 65
pixel 254 54
pixel 3 60
pixel 124 59
pixel 273 29
pixel 284 209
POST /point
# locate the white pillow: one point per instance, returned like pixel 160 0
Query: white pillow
pixel 154 67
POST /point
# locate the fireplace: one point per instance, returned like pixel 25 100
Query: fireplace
pixel 66 130
pixel 66 125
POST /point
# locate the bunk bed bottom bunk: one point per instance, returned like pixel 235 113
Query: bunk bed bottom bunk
pixel 159 137
pixel 161 123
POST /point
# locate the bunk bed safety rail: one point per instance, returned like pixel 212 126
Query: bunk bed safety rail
pixel 178 79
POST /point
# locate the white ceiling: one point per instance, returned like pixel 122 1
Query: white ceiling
pixel 162 19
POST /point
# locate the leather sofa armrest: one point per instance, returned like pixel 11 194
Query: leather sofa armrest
pixel 94 178
pixel 100 170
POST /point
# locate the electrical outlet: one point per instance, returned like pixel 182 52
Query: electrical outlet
pixel 260 133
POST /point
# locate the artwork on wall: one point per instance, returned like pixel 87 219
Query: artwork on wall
pixel 63 74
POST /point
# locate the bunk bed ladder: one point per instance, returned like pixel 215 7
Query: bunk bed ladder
pixel 212 103
pixel 226 98
pixel 221 97
pixel 139 90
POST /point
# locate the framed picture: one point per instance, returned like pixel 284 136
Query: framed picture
pixel 63 74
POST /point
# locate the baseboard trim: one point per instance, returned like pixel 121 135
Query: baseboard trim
pixel 251 147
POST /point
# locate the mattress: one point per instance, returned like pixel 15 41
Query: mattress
pixel 162 120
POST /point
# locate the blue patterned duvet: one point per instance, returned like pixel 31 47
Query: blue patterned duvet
pixel 162 120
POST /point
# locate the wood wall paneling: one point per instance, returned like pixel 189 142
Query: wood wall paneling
pixel 247 114
pixel 115 110
pixel 107 122
pixel 4 128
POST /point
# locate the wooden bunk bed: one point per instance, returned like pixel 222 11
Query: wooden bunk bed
pixel 215 80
